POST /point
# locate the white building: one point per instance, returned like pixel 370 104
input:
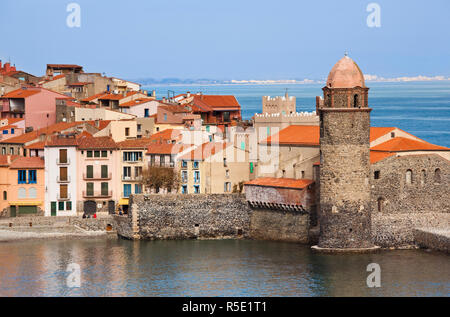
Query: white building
pixel 61 176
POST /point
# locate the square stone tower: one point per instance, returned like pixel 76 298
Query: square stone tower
pixel 345 215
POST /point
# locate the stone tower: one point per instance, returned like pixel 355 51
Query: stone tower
pixel 345 215
pixel 282 105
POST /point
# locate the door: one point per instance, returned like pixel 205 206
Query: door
pixel 53 208
pixel 90 207
pixel 111 207
pixel 12 211
pixel 27 210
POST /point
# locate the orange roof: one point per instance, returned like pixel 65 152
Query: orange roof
pixel 378 132
pixel 56 78
pixel 134 143
pixel 21 93
pixel 217 101
pixel 400 144
pixel 110 96
pixel 30 136
pixel 27 162
pixel 9 126
pixel 102 142
pixel 379 156
pixel 296 135
pixel 14 120
pixel 166 148
pixel 96 96
pixel 136 102
pixel 280 182
pixel 4 159
pixel 61 140
pixel 166 135
pixel 205 150
pixel 36 146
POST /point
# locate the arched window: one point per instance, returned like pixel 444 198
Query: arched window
pixel 356 101
pixel 437 176
pixel 409 177
pixel 380 203
pixel 5 195
pixel 32 192
pixel 423 178
pixel 22 192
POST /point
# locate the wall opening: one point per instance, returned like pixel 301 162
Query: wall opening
pixel 380 203
pixel 409 177
pixel 356 101
pixel 437 176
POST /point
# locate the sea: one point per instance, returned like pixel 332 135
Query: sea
pixel 420 108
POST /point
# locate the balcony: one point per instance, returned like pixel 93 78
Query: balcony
pixel 66 197
pixel 97 177
pixel 97 194
pixel 164 164
pixel 133 178
pixel 61 180
pixel 63 162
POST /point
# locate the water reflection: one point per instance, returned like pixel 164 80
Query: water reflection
pixel 111 267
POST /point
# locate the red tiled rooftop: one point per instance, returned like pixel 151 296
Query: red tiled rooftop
pixel 27 162
pixel 21 93
pixel 280 182
pixel 136 102
pixel 36 146
pixel 103 142
pixel 296 135
pixel 166 148
pixel 205 150
pixel 379 156
pixel 400 144
pixel 166 135
pixel 134 143
pixel 378 132
pixel 4 159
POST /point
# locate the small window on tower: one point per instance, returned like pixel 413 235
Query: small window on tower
pixel 355 101
pixel 376 175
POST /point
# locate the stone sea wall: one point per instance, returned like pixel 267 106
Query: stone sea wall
pixel 207 216
pixel 436 239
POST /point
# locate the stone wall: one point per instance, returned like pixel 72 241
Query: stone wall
pixel 208 216
pixel 433 239
pixel 399 206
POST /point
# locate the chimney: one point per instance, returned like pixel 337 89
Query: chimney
pixel 7 67
pixel 154 93
pixel 97 123
pixel 188 94
pixel 8 159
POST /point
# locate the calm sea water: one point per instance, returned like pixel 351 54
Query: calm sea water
pixel 114 267
pixel 420 108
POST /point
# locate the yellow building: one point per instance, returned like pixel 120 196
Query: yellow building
pixel 214 168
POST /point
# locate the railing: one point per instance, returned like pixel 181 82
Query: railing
pixel 164 164
pixel 97 194
pixel 60 180
pixel 65 162
pixel 96 177
pixel 131 178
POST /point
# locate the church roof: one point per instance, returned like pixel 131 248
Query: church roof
pixel 345 74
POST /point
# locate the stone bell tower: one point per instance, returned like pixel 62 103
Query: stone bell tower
pixel 345 215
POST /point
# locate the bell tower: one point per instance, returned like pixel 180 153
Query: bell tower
pixel 345 215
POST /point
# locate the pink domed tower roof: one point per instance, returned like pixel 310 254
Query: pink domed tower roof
pixel 345 74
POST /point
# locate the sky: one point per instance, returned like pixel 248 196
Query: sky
pixel 228 39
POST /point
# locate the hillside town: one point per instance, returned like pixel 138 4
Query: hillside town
pixel 75 143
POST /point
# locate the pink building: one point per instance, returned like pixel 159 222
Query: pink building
pixel 36 104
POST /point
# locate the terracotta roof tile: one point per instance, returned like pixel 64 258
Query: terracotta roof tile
pixel 205 150
pixel 281 182
pixel 36 146
pixel 21 93
pixel 165 148
pixel 379 156
pixel 166 135
pixel 4 159
pixel 103 142
pixel 296 135
pixel 400 144
pixel 27 162
pixel 134 143
pixel 136 102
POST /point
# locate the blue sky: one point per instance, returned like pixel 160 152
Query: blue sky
pixel 232 39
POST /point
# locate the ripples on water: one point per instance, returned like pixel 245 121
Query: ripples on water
pixel 419 108
pixel 113 267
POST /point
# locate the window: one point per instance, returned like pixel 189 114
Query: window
pixel 104 153
pixel 376 175
pixel 22 177
pixel 196 177
pixel 227 173
pixel 11 151
pixel 22 193
pixel 207 128
pixel 104 189
pixel 184 189
pixel 227 187
pixel 146 113
pixel 61 205
pixel 437 176
pixel 132 156
pixel 242 145
pixel 96 153
pixel 225 161
pixel 126 190
pixel 3 150
pixel 139 128
pixel 137 188
pixel 392 134
pixel 62 156
pixel 5 131
pixel 355 101
pixel 195 164
pixel 184 164
pixel 63 174
pixel 409 177
pixel 165 117
pixel 127 131
pixel 32 177
pixel 184 176
pixel 63 194
pixel 89 189
pixel 380 203
pixel 126 172
pixel 423 178
pixel 137 171
pixel 89 171
pixel 68 205
pixel 32 193
pixel 89 154
pixel 196 189
pixel 104 171
pixel 5 195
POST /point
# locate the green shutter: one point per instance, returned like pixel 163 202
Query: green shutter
pixel 53 208
pixel 61 205
pixel 69 205
pixel 104 171
pixel 89 171
pixel 251 167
